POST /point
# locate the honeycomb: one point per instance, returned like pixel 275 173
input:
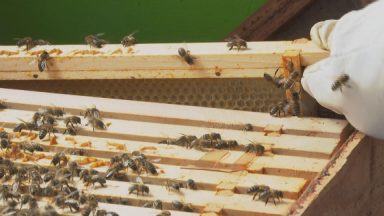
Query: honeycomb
pixel 251 94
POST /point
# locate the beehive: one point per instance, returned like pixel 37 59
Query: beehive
pixel 300 152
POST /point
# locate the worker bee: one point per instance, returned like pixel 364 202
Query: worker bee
pixel 27 42
pixel 41 42
pixel 173 185
pixel 95 40
pixel 25 126
pixel 226 144
pixel 71 130
pixel 157 204
pixel 248 127
pixel 139 187
pixel 25 199
pixel 187 207
pixel 73 166
pixel 45 129
pixel 266 195
pixel 42 60
pixel 4 144
pixel 150 167
pixel 48 119
pixel 186 55
pixel 191 184
pixel 290 81
pixel 129 40
pixel 256 148
pixel 92 112
pixel 211 136
pixel 340 82
pixel 102 212
pixel 164 213
pixel 2 104
pixel 59 159
pixel 63 202
pixel 236 41
pixel 93 179
pixel 257 190
pixel 55 111
pixel 281 107
pixel 30 147
pixel 96 123
pixel 296 108
pixel 72 120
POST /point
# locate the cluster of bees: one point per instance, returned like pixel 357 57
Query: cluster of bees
pixel 34 183
pixel 45 120
pixel 265 193
pixel 212 141
pixel 280 82
pixel 95 41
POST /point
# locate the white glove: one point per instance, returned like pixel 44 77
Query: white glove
pixel 356 44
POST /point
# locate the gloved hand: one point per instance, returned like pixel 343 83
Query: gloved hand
pixel 356 44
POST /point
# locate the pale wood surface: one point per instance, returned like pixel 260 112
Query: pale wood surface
pixel 173 114
pixel 211 60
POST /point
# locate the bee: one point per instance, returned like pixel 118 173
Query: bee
pixel 191 184
pixel 4 135
pixel 93 179
pixel 96 123
pixel 25 199
pixel 296 108
pixel 164 213
pixel 4 144
pixel 257 189
pixel 71 130
pixel 2 172
pixel 59 159
pixel 2 105
pixel 102 212
pixel 248 127
pixel 256 148
pixel 27 42
pixel 55 111
pixel 185 140
pixel 139 187
pixel 30 147
pixel 95 40
pixel 278 82
pixel 49 176
pixel 80 152
pixel 40 42
pixel 72 120
pixel 150 168
pixel 236 41
pixel 173 185
pixel 45 129
pixel 281 107
pixel 73 167
pixel 157 204
pixel 211 136
pixel 266 195
pixel 49 211
pixel 186 55
pixel 42 60
pixel 187 207
pixel 25 126
pixel 129 40
pixel 92 113
pixel 340 82
pixel 226 144
pixel 289 82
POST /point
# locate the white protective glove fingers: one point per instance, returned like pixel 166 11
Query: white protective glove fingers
pixel 321 33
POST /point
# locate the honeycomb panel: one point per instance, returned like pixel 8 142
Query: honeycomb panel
pixel 251 94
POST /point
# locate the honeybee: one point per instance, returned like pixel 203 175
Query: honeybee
pixel 256 148
pixel 95 41
pixel 340 82
pixel 139 187
pixel 271 194
pixel 281 107
pixel 296 108
pixel 42 61
pixel 236 41
pixel 186 55
pixel 248 127
pixel 173 185
pixel 257 189
pixel 27 42
pixel 96 123
pixel 129 40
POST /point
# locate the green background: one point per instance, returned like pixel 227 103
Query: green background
pixel 68 21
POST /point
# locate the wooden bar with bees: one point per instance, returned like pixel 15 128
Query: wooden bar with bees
pixel 143 61
pixel 162 159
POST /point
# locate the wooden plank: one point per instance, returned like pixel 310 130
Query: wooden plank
pixel 157 57
pixel 288 166
pixel 154 132
pixel 206 180
pixel 269 18
pixel 173 114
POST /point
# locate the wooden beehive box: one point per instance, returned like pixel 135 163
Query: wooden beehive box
pixel 302 157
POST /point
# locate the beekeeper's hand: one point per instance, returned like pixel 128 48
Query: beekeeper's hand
pixel 356 44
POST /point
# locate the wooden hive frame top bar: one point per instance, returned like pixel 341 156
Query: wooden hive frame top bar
pixel 213 60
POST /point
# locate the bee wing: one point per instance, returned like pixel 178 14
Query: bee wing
pixel 134 32
pixel 139 180
pixel 15 186
pixel 99 34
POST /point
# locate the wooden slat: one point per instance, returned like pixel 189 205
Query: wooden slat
pixel 157 57
pixel 154 132
pixel 173 114
pixel 269 18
